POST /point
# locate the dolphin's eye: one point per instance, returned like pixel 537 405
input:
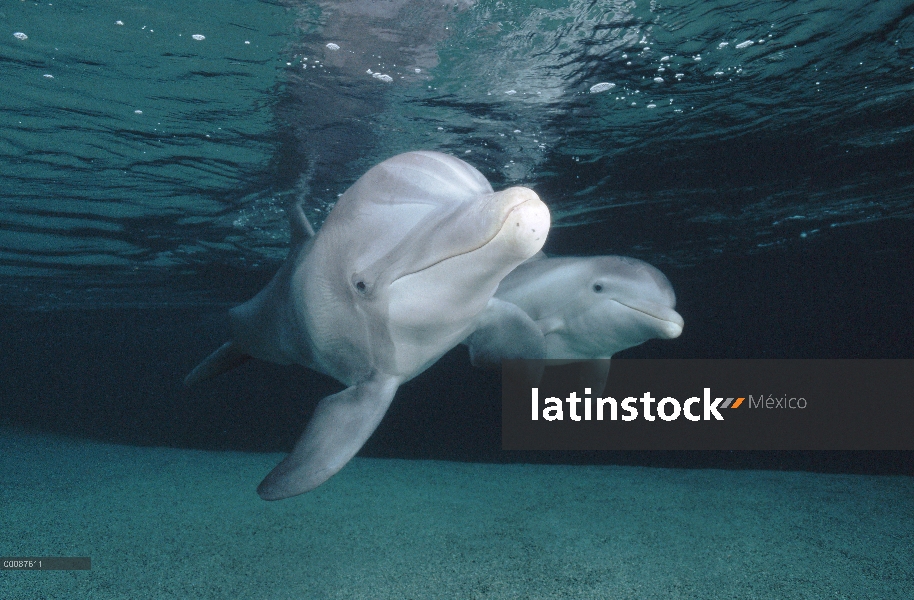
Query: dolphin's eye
pixel 360 285
pixel 598 287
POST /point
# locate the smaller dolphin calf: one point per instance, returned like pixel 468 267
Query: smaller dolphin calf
pixel 578 309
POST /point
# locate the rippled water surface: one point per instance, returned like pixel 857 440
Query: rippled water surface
pixel 140 162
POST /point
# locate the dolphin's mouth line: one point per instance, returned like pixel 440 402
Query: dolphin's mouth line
pixel 471 250
pixel 644 312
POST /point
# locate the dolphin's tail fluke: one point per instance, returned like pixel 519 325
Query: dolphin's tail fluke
pixel 226 358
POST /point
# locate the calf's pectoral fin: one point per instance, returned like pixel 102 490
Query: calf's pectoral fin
pixel 340 426
pixel 226 358
pixel 503 332
pixel 592 374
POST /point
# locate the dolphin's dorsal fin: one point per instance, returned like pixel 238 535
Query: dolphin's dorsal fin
pixel 299 225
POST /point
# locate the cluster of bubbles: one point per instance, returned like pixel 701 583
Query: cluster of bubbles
pixel 679 65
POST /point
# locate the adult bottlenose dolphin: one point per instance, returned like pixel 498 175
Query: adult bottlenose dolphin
pixel 577 309
pixel 398 275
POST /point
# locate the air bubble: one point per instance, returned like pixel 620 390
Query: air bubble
pixel 601 87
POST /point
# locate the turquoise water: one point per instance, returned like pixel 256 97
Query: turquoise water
pixel 166 523
pixel 125 141
pixel 135 160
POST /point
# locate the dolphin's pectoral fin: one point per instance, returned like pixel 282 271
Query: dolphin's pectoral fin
pixel 340 425
pixel 504 331
pixel 592 374
pixel 226 358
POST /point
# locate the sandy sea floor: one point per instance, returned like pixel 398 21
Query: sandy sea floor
pixel 168 523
